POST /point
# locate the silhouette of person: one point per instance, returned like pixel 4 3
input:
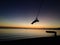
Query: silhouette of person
pixel 36 20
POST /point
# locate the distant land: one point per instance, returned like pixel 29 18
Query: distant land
pixel 5 27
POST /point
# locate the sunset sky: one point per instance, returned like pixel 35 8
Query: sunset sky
pixel 21 13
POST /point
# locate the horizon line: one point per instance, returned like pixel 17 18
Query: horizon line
pixel 6 27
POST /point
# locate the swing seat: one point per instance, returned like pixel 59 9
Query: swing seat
pixel 36 20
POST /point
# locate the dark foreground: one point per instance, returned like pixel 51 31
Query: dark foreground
pixel 34 41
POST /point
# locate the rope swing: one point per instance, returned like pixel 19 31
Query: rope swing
pixel 36 20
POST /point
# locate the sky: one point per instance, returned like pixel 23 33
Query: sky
pixel 20 13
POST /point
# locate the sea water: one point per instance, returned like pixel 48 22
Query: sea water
pixel 14 34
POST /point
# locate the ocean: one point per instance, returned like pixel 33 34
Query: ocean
pixel 14 34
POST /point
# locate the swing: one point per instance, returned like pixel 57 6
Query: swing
pixel 36 20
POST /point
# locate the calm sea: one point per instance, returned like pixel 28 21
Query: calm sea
pixel 14 34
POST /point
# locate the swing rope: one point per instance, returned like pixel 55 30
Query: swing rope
pixel 40 8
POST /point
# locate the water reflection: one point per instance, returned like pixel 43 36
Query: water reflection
pixel 24 33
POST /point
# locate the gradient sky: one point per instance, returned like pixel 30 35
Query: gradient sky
pixel 21 13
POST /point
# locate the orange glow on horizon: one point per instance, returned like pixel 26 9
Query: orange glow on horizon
pixel 26 25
